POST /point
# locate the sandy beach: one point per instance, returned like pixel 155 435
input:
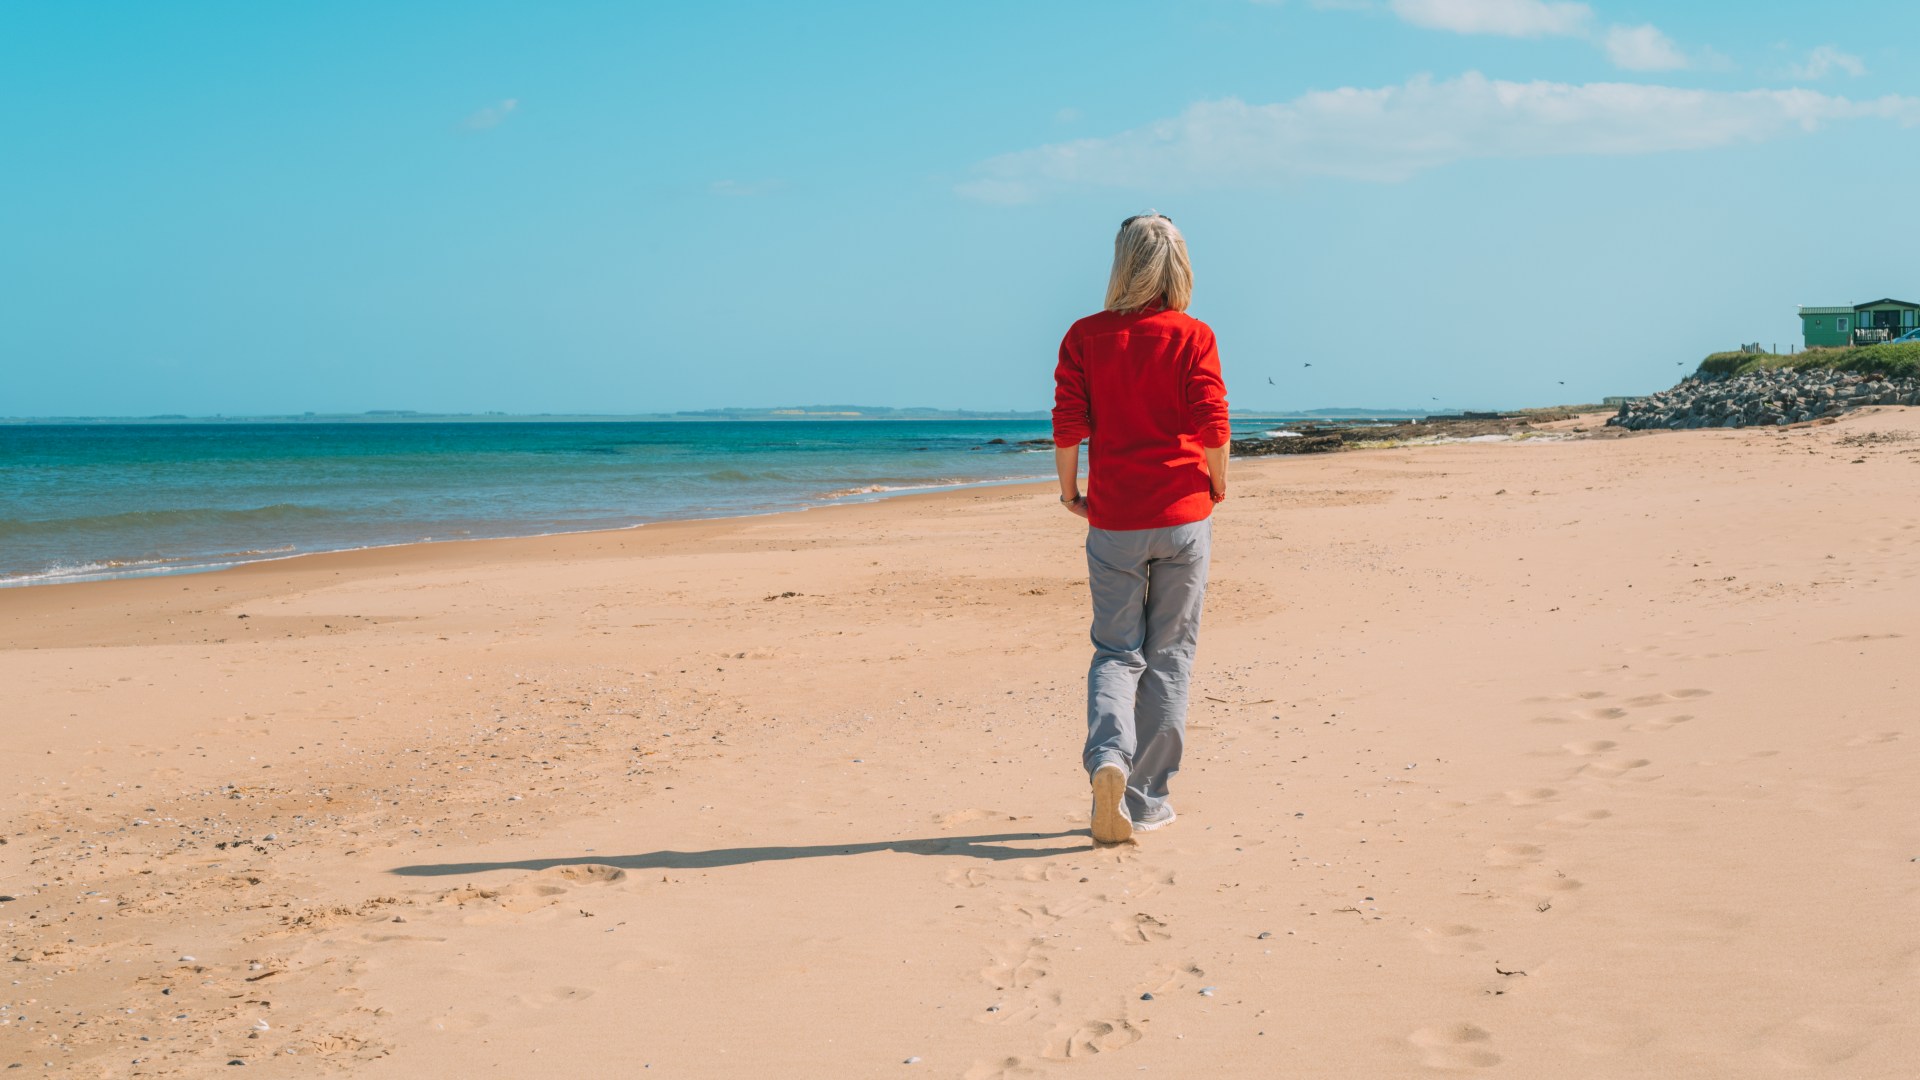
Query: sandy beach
pixel 1542 759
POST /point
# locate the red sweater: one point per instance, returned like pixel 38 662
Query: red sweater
pixel 1146 387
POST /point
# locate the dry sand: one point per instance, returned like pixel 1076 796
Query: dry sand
pixel 1545 759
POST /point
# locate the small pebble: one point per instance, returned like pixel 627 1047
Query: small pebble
pixel 913 1061
pixel 1264 935
pixel 993 1008
pixel 1206 991
pixel 1146 997
pixel 186 959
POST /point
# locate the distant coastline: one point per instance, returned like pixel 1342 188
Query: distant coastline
pixel 788 414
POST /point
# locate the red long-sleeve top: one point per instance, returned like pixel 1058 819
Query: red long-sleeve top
pixel 1145 387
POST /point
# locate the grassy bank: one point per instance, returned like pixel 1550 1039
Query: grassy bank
pixel 1889 360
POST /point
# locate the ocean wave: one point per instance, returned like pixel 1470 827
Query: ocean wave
pixel 109 568
pixel 130 520
pixel 885 489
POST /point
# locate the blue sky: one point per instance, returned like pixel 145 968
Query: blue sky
pixel 626 207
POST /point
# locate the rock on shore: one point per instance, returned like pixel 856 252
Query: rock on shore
pixel 1773 397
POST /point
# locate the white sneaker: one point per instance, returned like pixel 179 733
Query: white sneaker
pixel 1161 820
pixel 1110 822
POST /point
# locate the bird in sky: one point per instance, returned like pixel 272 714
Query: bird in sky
pixel 1306 365
pixel 1563 382
pixel 1270 381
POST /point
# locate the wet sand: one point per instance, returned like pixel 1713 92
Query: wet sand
pixel 1540 759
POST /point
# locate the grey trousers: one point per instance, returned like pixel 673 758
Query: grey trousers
pixel 1148 587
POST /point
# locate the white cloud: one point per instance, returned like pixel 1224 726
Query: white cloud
pixel 1394 132
pixel 1824 61
pixel 1642 48
pixel 1509 18
pixel 492 116
pixel 1635 48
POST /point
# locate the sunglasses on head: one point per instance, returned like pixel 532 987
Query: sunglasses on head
pixel 1137 217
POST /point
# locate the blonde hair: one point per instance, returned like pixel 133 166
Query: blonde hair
pixel 1149 264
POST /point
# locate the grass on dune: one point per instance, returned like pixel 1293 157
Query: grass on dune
pixel 1893 361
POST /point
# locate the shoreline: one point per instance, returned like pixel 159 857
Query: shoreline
pixel 853 498
pixel 1261 445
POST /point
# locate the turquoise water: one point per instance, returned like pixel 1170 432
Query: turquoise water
pixel 87 501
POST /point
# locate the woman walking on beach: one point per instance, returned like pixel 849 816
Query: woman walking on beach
pixel 1141 381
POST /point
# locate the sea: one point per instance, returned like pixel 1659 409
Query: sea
pixel 83 501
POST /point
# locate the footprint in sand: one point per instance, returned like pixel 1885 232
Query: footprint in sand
pixel 1616 768
pixel 1041 916
pixel 1662 724
pixel 1168 980
pixel 1575 819
pixel 559 995
pixel 1090 1038
pixel 1047 872
pixel 1139 888
pixel 588 873
pixel 1022 1009
pixel 1590 748
pixel 471 1021
pixel 1018 964
pixel 1141 929
pixel 969 815
pixel 1531 796
pixel 970 877
pixel 1451 939
pixel 1012 1068
pixel 1665 697
pixel 1872 738
pixel 540 889
pixel 1454 1046
pixel 1611 712
pixel 1543 882
pixel 1513 854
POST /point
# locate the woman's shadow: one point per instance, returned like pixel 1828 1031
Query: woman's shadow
pixel 997 847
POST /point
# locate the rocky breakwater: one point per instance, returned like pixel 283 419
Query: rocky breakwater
pixel 1764 398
